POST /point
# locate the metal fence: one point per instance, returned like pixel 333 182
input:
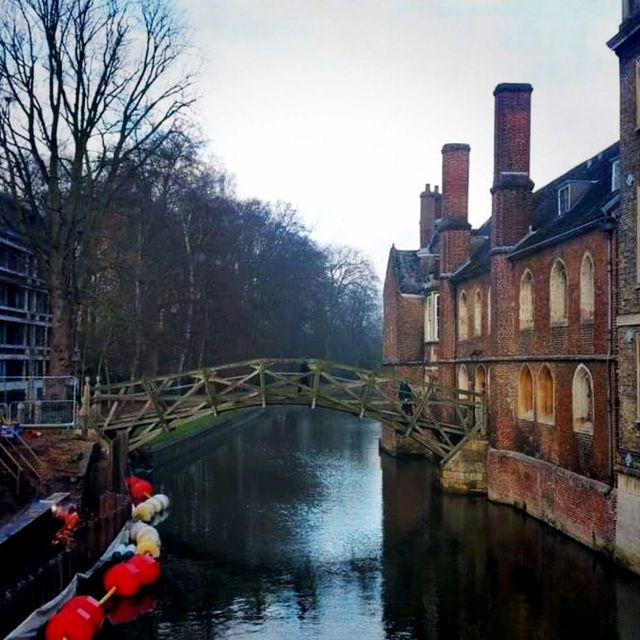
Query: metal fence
pixel 28 402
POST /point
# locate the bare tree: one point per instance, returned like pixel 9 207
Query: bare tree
pixel 88 89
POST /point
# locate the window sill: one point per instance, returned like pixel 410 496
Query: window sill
pixel 559 323
pixel 587 321
pixel 527 327
pixel 584 430
pixel 547 422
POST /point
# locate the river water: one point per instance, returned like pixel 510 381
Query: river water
pixel 295 527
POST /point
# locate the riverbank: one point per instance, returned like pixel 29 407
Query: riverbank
pixel 205 430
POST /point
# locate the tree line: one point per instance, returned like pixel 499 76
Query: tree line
pixel 152 263
pixel 188 275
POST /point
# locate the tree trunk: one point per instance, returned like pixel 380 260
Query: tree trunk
pixel 60 362
pixel 135 365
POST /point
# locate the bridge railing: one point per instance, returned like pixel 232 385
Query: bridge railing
pixel 437 417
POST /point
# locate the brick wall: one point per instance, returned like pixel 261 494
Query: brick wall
pixel 582 508
pixel 628 291
pixel 577 337
pixel 390 316
pixel 475 346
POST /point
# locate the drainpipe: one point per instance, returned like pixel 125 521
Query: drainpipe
pixel 610 367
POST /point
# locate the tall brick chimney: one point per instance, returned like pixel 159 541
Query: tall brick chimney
pixel 454 225
pixel 430 211
pixel 512 186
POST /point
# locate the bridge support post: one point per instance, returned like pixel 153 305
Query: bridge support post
pixel 466 471
pixel 397 445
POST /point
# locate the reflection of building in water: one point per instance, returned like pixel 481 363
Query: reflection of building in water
pixel 459 567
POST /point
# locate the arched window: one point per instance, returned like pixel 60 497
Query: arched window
pixel 525 394
pixel 587 297
pixel 583 401
pixel 526 300
pixel 477 313
pixel 489 310
pixel 545 400
pixel 463 317
pixel 480 386
pixel 463 378
pixel 558 293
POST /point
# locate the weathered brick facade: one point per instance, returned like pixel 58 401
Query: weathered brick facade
pixel 550 377
pixel 626 45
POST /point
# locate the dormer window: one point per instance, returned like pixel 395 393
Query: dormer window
pixel 615 175
pixel 564 199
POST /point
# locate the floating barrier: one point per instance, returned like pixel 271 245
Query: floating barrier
pixel 151 507
pixel 139 489
pixel 137 566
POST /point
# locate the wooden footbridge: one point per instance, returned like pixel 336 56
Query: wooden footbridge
pixel 440 419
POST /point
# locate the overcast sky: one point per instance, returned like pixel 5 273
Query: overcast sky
pixel 341 107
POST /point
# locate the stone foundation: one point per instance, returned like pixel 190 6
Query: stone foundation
pixel 628 521
pixel 466 471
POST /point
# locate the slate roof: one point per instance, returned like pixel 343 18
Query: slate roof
pixel 590 209
pixel 406 266
pixel 589 212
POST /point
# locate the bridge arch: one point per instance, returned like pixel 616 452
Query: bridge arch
pixel 441 419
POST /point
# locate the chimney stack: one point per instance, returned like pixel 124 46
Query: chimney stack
pixel 512 187
pixel 430 205
pixel 455 181
pixel 454 226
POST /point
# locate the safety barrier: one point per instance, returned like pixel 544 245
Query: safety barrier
pixel 49 401
pixel 44 413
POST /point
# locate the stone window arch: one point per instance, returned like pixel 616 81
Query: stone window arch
pixel 558 289
pixel 525 394
pixel 477 313
pixel 545 396
pixel 463 378
pixel 480 382
pixel 480 386
pixel 582 401
pixel 463 316
pixel 526 300
pixel 587 290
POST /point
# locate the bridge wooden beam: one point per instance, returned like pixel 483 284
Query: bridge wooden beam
pixel 170 399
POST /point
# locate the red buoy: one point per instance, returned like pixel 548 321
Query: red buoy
pixel 140 490
pixel 125 578
pixel 88 604
pixel 72 624
pixel 149 568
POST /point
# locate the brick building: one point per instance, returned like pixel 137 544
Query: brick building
pixel 523 310
pixel 626 45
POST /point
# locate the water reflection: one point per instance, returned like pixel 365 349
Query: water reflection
pixel 295 527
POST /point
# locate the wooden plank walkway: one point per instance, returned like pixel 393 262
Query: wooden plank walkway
pixel 442 419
